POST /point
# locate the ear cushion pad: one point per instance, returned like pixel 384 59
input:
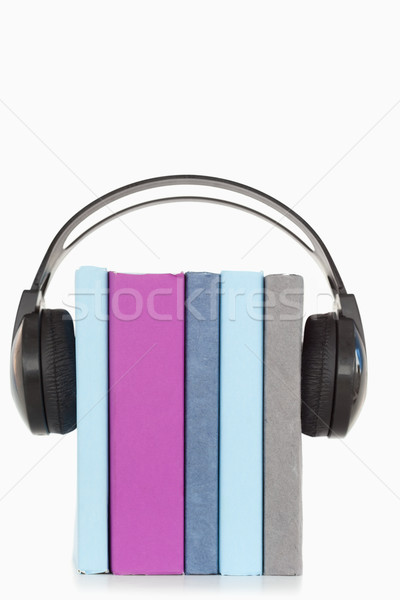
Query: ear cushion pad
pixel 57 349
pixel 318 373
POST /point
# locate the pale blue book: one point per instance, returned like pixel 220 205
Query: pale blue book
pixel 91 331
pixel 241 424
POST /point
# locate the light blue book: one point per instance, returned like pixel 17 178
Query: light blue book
pixel 91 331
pixel 241 424
pixel 201 423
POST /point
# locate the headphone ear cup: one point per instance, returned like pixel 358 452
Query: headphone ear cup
pixel 318 374
pixel 57 350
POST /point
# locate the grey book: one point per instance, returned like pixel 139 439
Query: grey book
pixel 201 423
pixel 282 425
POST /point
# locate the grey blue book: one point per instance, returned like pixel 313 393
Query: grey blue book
pixel 282 425
pixel 201 422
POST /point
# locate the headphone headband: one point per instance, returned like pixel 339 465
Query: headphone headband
pixel 57 250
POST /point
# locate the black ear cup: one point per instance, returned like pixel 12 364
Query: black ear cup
pixel 318 373
pixel 57 349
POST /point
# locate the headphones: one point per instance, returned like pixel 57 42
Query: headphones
pixel 334 361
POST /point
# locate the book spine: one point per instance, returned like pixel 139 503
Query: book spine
pixel 146 365
pixel 241 423
pixel 201 423
pixel 91 328
pixel 282 425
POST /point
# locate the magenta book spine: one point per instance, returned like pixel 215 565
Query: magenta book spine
pixel 146 378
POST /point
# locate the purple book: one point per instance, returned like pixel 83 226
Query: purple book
pixel 146 379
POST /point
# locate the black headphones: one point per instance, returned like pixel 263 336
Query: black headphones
pixel 334 362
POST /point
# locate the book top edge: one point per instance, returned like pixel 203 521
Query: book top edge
pixel 90 268
pixel 117 273
pixel 284 275
pixel 234 272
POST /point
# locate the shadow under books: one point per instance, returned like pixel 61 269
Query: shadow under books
pixel 184 583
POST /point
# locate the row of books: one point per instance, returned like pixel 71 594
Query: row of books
pixel 188 419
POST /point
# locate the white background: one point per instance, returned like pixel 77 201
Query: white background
pixel 299 99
